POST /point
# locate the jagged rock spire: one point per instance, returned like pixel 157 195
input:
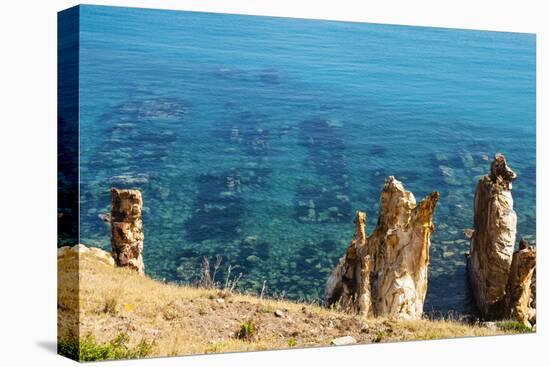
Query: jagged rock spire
pixel 500 172
pixel 500 278
pixel 387 273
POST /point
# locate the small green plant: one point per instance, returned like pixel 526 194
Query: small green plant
pixel 214 347
pixel 513 326
pixel 291 342
pixel 87 350
pixel 267 309
pixel 247 331
pixel 379 336
pixel 110 306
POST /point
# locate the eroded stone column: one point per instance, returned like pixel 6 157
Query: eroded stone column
pixel 126 229
pixel 386 274
pixel 493 239
pixel 518 300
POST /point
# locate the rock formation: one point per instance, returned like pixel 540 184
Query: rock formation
pixel 387 273
pixel 494 236
pixel 500 278
pixel 518 289
pixel 533 302
pixel 66 251
pixel 126 229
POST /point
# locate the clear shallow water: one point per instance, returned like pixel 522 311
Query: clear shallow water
pixel 257 138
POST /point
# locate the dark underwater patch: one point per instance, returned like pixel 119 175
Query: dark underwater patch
pixel 269 76
pixel 218 207
pixel 128 144
pixel 327 200
pixel 313 266
pixel 256 177
pixel 377 150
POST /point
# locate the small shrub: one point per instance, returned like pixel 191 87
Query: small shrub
pixel 69 348
pixel 143 349
pixel 214 347
pixel 202 310
pixel 291 342
pixel 223 294
pixel 110 306
pixel 173 311
pixel 267 309
pixel 247 331
pixel 87 350
pixel 379 336
pixel 169 314
pixel 513 326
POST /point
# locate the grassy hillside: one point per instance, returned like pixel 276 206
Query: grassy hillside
pixel 124 315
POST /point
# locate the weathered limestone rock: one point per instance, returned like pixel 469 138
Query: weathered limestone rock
pixel 533 302
pixel 342 284
pixel 493 239
pixel 80 249
pixel 518 300
pixel 387 273
pixel 502 280
pixel 344 340
pixel 126 228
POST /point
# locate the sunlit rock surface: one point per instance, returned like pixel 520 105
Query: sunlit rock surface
pixel 493 239
pixel 518 300
pixel 126 228
pixel 501 279
pixel 386 274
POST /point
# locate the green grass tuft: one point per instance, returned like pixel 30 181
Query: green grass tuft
pixel 111 305
pixel 514 326
pixel 247 331
pixel 87 350
pixel 379 336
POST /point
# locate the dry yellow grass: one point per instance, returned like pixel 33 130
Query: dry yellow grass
pixel 180 320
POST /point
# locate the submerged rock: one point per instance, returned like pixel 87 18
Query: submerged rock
pixel 126 228
pixel 129 180
pixel 449 176
pixel 467 160
pixel 441 157
pixel 386 274
pixel 105 217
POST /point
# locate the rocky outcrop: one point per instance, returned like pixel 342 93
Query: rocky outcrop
pixel 533 302
pixel 80 249
pixel 500 278
pixel 342 285
pixel 492 242
pixel 126 229
pixel 518 299
pixel 386 274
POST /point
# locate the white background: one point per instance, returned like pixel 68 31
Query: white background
pixel 28 181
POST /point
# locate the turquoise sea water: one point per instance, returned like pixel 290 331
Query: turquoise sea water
pixel 256 138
